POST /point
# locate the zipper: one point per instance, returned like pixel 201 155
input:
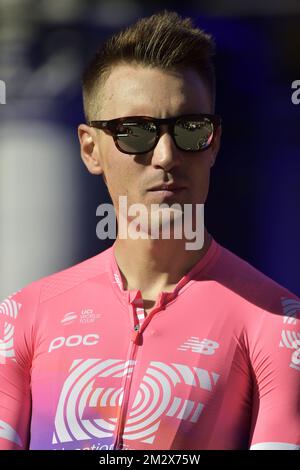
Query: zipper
pixel 127 380
pixel 126 385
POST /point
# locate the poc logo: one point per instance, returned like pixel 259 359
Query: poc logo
pixel 74 340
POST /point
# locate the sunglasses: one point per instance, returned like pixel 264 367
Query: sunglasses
pixel 135 135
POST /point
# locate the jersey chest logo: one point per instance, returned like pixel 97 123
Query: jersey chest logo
pixel 91 398
pixel 204 346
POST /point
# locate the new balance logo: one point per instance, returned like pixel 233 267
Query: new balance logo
pixel 204 346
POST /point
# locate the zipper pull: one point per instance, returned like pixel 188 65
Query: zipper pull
pixel 135 333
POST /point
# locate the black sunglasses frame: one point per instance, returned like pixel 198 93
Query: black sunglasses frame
pixel 110 127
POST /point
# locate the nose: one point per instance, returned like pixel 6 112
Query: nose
pixel 166 155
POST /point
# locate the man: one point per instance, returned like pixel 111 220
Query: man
pixel 150 345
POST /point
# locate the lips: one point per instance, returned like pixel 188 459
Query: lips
pixel 167 187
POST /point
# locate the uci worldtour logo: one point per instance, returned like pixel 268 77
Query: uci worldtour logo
pixel 87 315
pixel 89 403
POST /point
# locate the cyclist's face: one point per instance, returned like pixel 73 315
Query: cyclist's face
pixel 136 90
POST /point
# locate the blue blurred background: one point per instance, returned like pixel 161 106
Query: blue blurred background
pixel 48 201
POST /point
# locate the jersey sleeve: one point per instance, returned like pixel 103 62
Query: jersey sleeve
pixel 16 352
pixel 275 359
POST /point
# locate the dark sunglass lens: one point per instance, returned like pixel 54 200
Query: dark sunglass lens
pixel 136 137
pixel 193 134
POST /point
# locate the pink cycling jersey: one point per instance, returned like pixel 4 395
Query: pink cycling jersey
pixel 215 364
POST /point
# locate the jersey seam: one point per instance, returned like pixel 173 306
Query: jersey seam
pixel 68 288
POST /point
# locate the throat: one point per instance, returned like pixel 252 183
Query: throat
pixel 148 305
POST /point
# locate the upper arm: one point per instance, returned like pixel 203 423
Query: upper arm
pixel 15 363
pixel 15 405
pixel 276 399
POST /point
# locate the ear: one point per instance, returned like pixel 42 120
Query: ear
pixel 89 149
pixel 216 145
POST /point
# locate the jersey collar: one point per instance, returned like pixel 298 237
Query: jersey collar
pixel 132 296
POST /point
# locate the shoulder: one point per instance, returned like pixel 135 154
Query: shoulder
pixel 247 285
pixel 269 313
pixel 33 308
pixel 55 284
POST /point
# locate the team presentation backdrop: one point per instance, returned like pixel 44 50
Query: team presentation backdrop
pixel 48 201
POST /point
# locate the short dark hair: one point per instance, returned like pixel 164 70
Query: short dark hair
pixel 164 40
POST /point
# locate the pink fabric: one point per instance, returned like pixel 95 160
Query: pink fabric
pixel 216 364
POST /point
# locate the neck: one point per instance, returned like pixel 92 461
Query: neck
pixel 153 266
